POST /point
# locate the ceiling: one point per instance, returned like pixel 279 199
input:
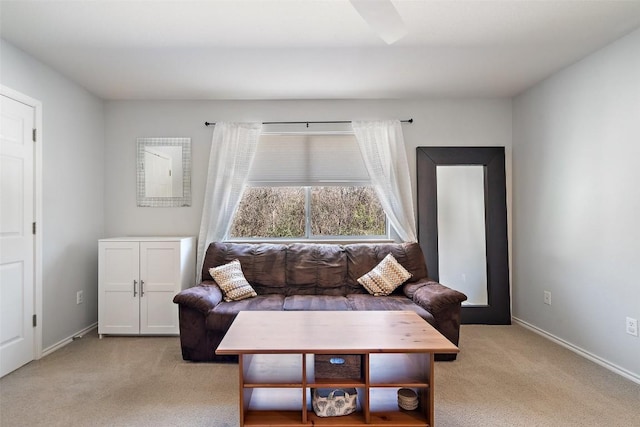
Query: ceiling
pixel 309 49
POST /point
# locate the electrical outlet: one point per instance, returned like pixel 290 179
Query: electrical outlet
pixel 79 297
pixel 547 297
pixel 632 326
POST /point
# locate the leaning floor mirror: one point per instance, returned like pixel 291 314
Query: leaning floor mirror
pixel 164 172
pixel 462 226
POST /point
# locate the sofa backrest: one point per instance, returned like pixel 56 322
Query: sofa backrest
pixel 362 257
pixel 309 268
pixel 263 265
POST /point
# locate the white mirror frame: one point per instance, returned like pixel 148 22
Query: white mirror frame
pixel 164 202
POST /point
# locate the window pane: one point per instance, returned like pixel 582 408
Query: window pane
pixel 346 211
pixel 270 212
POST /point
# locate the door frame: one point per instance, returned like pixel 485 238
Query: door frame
pixel 37 201
pixel 498 308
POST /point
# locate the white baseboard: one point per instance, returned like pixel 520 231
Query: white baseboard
pixel 581 352
pixel 57 346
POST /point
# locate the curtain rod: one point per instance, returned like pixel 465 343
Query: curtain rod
pixel 307 123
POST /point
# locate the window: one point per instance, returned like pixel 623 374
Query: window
pixel 270 212
pixel 346 211
pixel 309 186
pixel 309 212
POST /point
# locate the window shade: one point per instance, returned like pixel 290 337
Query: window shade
pixel 308 159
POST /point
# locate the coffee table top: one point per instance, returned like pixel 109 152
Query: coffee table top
pixel 321 332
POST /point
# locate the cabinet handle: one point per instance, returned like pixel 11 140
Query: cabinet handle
pixel 135 282
pixel 141 288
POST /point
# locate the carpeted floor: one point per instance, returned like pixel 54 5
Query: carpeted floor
pixel 504 376
pixel 510 376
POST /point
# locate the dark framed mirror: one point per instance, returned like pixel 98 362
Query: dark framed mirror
pixel 462 226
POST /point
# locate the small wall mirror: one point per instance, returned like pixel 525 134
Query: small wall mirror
pixel 164 172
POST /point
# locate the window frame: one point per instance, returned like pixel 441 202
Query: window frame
pixel 389 235
pixel 308 236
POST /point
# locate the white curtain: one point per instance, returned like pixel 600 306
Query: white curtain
pixel 383 150
pixel 232 151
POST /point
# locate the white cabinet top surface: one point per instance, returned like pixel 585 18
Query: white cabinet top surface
pixel 147 239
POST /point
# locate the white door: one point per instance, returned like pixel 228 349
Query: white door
pixel 118 288
pixel 160 281
pixel 17 346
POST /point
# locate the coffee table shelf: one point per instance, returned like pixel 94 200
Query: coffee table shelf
pixel 276 365
pixel 272 418
pixel 273 369
pixel 292 418
pixel 337 383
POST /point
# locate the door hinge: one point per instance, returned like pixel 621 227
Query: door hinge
pixel 34 228
pixel 35 132
pixel 35 322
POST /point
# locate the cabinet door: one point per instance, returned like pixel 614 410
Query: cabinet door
pixel 160 282
pixel 118 287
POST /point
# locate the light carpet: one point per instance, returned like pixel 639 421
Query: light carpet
pixel 504 376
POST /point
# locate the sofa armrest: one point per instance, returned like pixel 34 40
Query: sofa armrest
pixel 443 303
pixel 202 298
pixel 409 289
pixel 433 296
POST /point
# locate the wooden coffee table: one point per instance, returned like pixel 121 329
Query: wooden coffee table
pixel 276 352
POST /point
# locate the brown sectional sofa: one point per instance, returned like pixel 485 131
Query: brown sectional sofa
pixel 306 276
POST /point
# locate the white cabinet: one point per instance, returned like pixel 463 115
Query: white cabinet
pixel 137 280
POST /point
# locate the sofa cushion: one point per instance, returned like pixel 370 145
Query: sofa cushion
pixel 222 315
pixel 316 302
pixel 392 302
pixel 385 277
pixel 231 281
pixel 315 269
pixel 263 265
pixel 363 257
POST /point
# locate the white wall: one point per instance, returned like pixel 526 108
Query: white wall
pixel 464 122
pixel 577 203
pixel 73 190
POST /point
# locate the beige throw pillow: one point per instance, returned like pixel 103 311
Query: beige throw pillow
pixel 385 277
pixel 232 282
